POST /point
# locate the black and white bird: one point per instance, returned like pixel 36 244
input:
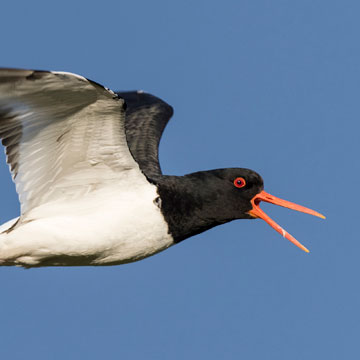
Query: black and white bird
pixel 85 163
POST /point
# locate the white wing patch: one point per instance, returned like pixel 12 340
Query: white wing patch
pixel 64 135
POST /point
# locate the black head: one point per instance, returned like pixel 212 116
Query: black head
pixel 199 201
pixel 226 193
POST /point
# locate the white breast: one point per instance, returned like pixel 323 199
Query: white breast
pixel 107 226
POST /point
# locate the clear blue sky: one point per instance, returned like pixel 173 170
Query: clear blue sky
pixel 272 86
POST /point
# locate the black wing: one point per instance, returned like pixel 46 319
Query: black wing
pixel 145 120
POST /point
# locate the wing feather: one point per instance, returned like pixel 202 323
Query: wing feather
pixel 146 119
pixel 63 134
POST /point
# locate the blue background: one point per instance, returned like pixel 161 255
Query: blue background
pixel 273 86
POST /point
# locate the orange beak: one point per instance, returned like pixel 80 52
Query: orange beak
pixel 256 212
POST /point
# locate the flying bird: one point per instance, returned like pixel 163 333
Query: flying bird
pixel 84 160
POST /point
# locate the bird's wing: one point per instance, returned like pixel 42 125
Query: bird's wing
pixel 64 135
pixel 146 118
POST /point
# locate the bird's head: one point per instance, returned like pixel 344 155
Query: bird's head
pixel 214 197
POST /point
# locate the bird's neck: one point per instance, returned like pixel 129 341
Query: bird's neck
pixel 185 208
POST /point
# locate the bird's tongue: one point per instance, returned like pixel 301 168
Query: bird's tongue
pixel 258 213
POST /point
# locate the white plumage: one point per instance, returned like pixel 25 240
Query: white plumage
pixel 84 200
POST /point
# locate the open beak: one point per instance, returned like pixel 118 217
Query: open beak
pixel 256 212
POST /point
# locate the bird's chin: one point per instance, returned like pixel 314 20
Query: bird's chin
pixel 247 216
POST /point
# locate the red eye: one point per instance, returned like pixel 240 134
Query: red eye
pixel 239 182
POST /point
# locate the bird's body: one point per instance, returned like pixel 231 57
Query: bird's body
pixel 89 181
pixel 106 227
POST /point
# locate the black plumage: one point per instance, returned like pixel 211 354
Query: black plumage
pixel 145 120
pixel 199 201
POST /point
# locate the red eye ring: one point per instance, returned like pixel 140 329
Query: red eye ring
pixel 239 182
